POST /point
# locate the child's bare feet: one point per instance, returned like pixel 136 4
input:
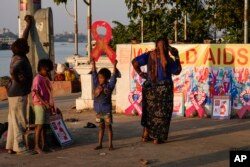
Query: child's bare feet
pixel 111 147
pixel 98 148
pixel 39 151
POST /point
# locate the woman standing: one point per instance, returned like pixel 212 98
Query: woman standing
pixel 157 90
pixel 18 89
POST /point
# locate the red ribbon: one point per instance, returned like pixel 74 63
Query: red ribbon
pixel 196 104
pixel 135 104
pixel 246 104
pixel 102 42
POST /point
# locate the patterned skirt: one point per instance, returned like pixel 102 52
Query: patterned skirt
pixel 157 107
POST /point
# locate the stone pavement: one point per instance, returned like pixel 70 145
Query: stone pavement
pixel 192 142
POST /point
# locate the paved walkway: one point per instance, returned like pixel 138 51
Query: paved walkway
pixel 192 142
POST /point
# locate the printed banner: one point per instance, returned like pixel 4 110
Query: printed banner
pixel 215 69
pixel 135 99
pixel 138 49
pixel 245 100
pixel 217 55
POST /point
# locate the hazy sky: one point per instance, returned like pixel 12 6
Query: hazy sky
pixel 108 10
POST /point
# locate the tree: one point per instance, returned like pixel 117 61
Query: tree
pixel 156 16
pixel 204 18
pixel 60 1
pixel 228 17
pixel 159 17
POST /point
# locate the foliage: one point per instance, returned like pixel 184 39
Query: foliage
pixel 58 2
pixel 205 18
pixel 228 16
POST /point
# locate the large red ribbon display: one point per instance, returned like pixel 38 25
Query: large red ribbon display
pixel 196 104
pixel 135 104
pixel 245 102
pixel 102 42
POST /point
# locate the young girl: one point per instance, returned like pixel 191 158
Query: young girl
pixel 102 101
pixel 42 101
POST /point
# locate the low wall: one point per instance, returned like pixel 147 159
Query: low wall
pixel 60 88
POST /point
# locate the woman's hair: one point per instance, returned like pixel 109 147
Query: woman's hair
pixel 165 44
pixel 20 47
pixel 164 39
pixel 105 72
pixel 45 63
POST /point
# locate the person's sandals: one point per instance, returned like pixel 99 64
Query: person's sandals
pixel 98 148
pixel 146 139
pixel 90 125
pixel 157 141
pixel 11 152
pixel 144 162
pixel 26 152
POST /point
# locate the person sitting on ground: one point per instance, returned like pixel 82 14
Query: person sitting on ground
pixel 70 74
pixel 60 69
pixel 103 89
pixel 42 100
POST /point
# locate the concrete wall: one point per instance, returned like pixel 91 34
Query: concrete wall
pixel 60 88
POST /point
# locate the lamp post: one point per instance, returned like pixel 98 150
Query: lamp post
pixel 246 21
pixel 76 27
pixel 175 23
pixel 185 26
pixel 142 28
pixel 89 22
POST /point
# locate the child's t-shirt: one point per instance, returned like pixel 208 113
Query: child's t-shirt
pixel 103 102
pixel 43 86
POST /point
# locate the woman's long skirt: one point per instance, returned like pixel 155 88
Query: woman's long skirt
pixel 157 108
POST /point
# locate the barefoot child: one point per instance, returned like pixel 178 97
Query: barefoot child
pixel 42 101
pixel 103 89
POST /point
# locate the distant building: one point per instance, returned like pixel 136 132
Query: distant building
pixel 6 38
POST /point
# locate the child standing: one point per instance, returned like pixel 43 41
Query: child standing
pixel 42 101
pixel 104 85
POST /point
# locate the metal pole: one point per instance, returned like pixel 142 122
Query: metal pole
pixel 185 25
pixel 76 28
pixel 89 20
pixel 246 22
pixel 142 28
pixel 175 25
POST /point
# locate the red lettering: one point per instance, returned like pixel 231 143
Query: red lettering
pixel 189 55
pixel 218 56
pixel 228 53
pixel 134 53
pixel 209 56
pixel 139 52
pixel 242 55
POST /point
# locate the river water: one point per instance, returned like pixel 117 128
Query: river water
pixel 62 50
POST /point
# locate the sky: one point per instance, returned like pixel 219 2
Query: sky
pixel 107 10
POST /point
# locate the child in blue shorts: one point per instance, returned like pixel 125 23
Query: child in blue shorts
pixel 103 84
